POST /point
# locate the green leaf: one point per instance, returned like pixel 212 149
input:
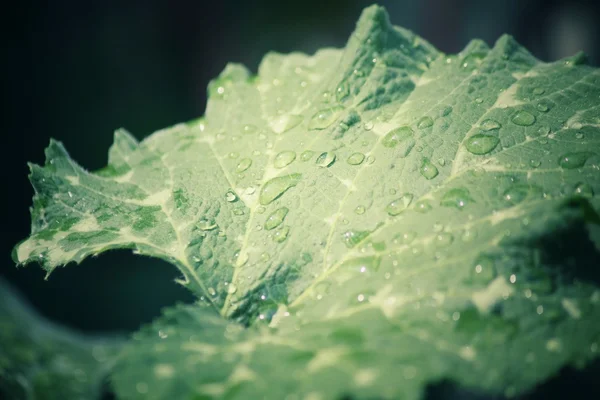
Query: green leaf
pixel 39 360
pixel 361 222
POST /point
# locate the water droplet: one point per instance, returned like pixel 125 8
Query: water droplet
pixel 324 118
pixel 519 192
pixel 284 123
pixel 234 154
pixel 276 218
pixel 249 129
pixel 427 169
pixel 284 158
pixel 211 291
pixel 244 164
pixel 478 100
pixel 356 159
pixel 457 198
pixel 242 259
pixel 537 91
pixel 207 224
pixel 535 163
pixel 490 125
pixel 472 61
pixel 276 187
pixel 231 288
pixel 360 209
pixel 370 160
pixel 425 122
pixel 444 239
pixel 281 234
pixel 306 155
pixel 342 91
pixel 398 205
pixel 230 196
pixel 574 160
pixel 481 144
pixel 441 162
pixel 446 111
pixel 579 135
pixel 484 270
pixel 423 206
pixel 584 190
pixel 403 135
pixel 368 125
pixel 523 118
pixel 352 238
pixel 325 159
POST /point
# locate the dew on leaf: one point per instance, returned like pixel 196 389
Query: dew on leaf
pixel 352 238
pixel 231 288
pixel 324 118
pixel 472 61
pixel 534 163
pixel 523 118
pixel 444 239
pixel 244 164
pixel 230 196
pixel 427 169
pixel 584 190
pixel 425 122
pixel 481 144
pixel 398 205
pixel 306 155
pixel 368 125
pixel 276 218
pixel 574 160
pixel 274 188
pixel 538 90
pixel 484 270
pixel 478 100
pixel 207 224
pixel 284 123
pixel 325 159
pixel 423 206
pixel 398 135
pixel 457 198
pixel 360 209
pixel 342 91
pixel 356 159
pixel 284 158
pixel 234 154
pixel 518 192
pixel 490 125
pixel 446 111
pixel 281 234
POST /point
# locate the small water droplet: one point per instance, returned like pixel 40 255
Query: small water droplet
pixel 400 204
pixel 446 111
pixel 537 91
pixel 306 155
pixel 490 125
pixel 457 198
pixel 230 196
pixel 519 192
pixel 584 190
pixel 342 91
pixel 324 118
pixel 427 169
pixel 484 270
pixel 352 238
pixel 326 159
pixel 478 100
pixel 425 122
pixel 368 125
pixel 284 123
pixel 574 160
pixel 244 164
pixel 399 135
pixel 360 209
pixel 481 144
pixel 234 154
pixel 579 135
pixel 207 224
pixel 472 61
pixel 423 206
pixel 281 234
pixel 356 159
pixel 276 218
pixel 444 239
pixel 284 158
pixel 441 162
pixel 523 118
pixel 211 291
pixel 370 160
pixel 534 163
pixel 276 187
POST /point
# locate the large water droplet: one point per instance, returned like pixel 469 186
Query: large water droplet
pixel 398 205
pixel 457 198
pixel 281 234
pixel 481 144
pixel 427 169
pixel 284 123
pixel 244 164
pixel 402 135
pixel 574 160
pixel 352 238
pixel 207 224
pixel 523 118
pixel 490 125
pixel 306 155
pixel 325 159
pixel 356 159
pixel 284 158
pixel 230 196
pixel 584 190
pixel 518 192
pixel 360 209
pixel 276 187
pixel 425 122
pixel 276 218
pixel 324 118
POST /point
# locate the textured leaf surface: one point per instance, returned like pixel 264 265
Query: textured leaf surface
pixel 382 217
pixel 39 360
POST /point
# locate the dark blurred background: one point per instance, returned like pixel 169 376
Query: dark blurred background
pixel 76 70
